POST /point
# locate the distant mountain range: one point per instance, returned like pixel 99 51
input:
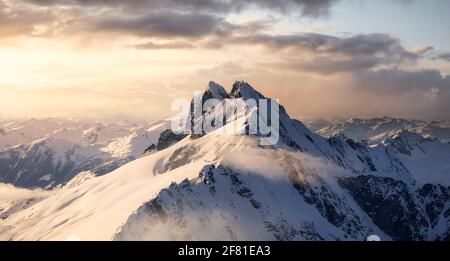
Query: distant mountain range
pixel 357 178
pixel 46 153
pixel 374 131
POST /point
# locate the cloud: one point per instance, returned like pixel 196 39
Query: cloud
pixel 331 54
pixel 169 19
pixel 442 56
pixel 326 66
pixel 21 21
pixel 421 93
pixel 420 50
pixel 416 94
pixel 357 45
pixel 146 5
pixel 11 193
pixel 201 24
pixel 166 24
pixel 395 81
pixel 159 46
pixel 178 18
pixel 369 44
pixel 316 8
pixel 184 24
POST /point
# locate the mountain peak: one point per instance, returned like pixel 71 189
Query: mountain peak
pixel 217 91
pixel 407 135
pixel 244 90
pixel 405 141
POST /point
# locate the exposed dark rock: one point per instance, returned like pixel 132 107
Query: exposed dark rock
pixel 434 198
pixel 165 140
pixel 389 204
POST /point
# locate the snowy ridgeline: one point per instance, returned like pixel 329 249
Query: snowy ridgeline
pixel 54 151
pixel 374 131
pixel 224 186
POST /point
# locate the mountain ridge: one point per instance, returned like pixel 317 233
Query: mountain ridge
pixel 227 186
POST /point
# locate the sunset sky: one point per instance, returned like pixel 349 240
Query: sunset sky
pixel 323 58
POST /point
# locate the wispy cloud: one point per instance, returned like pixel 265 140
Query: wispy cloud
pixel 445 56
pixel 331 54
pixel 92 48
pixel 146 18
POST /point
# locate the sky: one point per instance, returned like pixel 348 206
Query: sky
pixel 322 58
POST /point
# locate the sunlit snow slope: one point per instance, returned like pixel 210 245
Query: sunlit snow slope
pixel 225 185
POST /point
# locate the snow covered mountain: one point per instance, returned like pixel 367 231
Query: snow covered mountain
pixel 375 130
pixel 226 185
pixel 426 158
pixel 63 153
pixel 22 131
pixel 48 162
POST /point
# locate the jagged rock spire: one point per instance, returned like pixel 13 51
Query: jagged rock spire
pixel 244 90
pixel 217 91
